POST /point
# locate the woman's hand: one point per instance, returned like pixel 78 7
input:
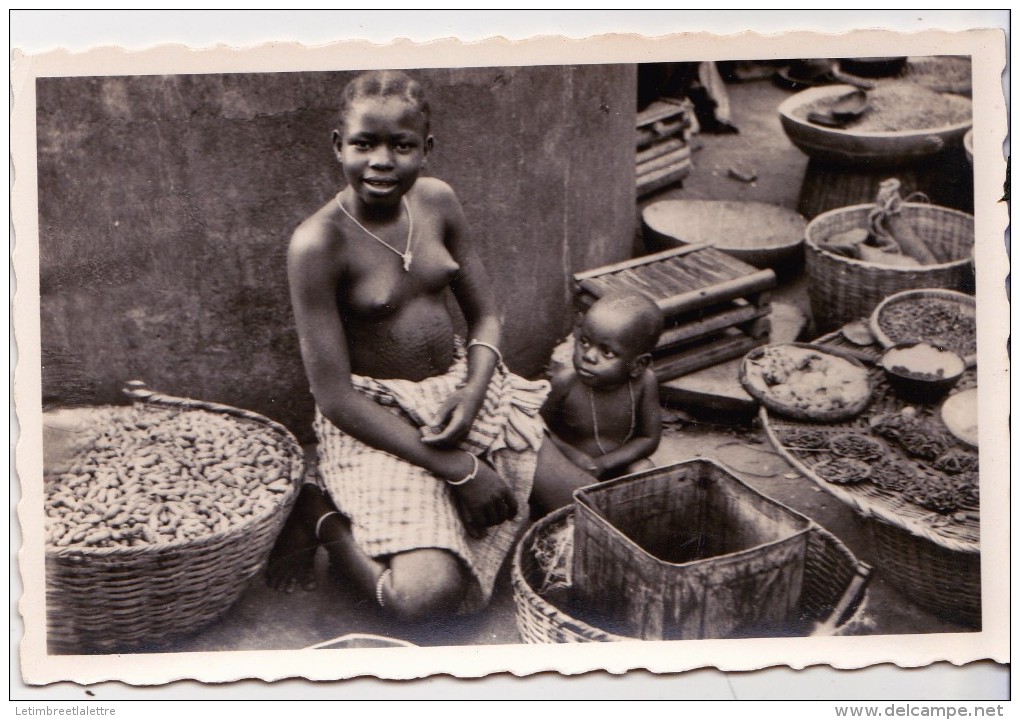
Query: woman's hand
pixel 455 417
pixel 484 501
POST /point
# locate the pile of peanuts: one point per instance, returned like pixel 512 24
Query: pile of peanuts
pixel 152 475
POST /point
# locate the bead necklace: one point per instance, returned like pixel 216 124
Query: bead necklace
pixel 595 417
pixel 406 255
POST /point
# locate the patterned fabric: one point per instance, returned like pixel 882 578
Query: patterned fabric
pixel 395 506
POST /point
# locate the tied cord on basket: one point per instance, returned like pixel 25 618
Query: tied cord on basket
pixel 888 203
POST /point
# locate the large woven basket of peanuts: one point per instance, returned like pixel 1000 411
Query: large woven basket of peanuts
pixel 158 514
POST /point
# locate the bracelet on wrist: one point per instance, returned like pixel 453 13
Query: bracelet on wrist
pixel 470 476
pixel 499 355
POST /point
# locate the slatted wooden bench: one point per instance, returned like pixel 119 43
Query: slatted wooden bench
pixel 716 307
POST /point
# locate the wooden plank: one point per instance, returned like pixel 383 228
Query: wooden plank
pixel 761 280
pixel 625 283
pixel 695 269
pixel 672 278
pixel 708 263
pixel 713 391
pixel 639 280
pixel 710 325
pixel 702 356
pixel 659 111
pixel 674 158
pixel 641 260
pixel 595 286
pixel 661 178
pixel 660 149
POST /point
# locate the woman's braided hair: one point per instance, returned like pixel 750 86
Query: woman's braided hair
pixel 386 84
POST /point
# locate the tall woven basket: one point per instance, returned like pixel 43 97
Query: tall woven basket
pixel 843 289
pixel 138 598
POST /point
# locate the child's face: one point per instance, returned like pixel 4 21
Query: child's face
pixel 604 353
pixel 382 148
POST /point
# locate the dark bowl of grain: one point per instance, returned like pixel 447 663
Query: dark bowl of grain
pixel 922 373
pixel 903 123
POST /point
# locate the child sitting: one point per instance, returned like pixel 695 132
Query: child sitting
pixel 603 412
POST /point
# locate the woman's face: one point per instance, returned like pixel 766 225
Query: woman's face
pixel 382 147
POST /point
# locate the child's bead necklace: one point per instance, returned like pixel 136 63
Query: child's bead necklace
pixel 595 417
pixel 406 255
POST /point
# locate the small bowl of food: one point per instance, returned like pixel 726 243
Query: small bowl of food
pixel 920 372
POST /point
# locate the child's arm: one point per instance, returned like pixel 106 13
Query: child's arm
pixel 473 291
pixel 647 430
pixel 561 382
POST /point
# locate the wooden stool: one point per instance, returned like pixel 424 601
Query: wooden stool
pixel 716 306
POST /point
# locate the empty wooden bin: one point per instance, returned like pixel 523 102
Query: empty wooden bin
pixel 687 552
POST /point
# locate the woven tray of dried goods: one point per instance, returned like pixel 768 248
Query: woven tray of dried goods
pixel 806 382
pixel 157 517
pixel 900 468
pixel 945 318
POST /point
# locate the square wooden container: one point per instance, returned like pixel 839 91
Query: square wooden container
pixel 687 551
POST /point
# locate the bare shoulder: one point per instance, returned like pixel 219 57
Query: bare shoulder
pixel 317 238
pixel 437 194
pixel 434 188
pixel 650 384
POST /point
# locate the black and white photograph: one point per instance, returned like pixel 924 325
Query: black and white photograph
pixel 358 359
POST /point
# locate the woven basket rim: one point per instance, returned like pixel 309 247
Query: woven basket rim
pixel 524 592
pixel 530 595
pixel 796 414
pixel 817 220
pixel 795 240
pixel 863 506
pixel 954 295
pixel 167 401
pixel 793 102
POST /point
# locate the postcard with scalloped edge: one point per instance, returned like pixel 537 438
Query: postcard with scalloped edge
pixel 552 355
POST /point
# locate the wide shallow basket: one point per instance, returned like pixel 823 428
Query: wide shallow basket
pixel 754 389
pixel 686 552
pixel 763 235
pixel 120 598
pixel 916 299
pixel 931 559
pixel 874 149
pixel 832 594
pixel 844 289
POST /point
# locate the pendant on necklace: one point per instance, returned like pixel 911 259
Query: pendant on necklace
pixel 407 260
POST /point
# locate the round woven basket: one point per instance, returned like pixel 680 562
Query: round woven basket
pixel 111 599
pixel 763 235
pixel 964 301
pixel 843 289
pixel 945 582
pixel 835 415
pixel 832 596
